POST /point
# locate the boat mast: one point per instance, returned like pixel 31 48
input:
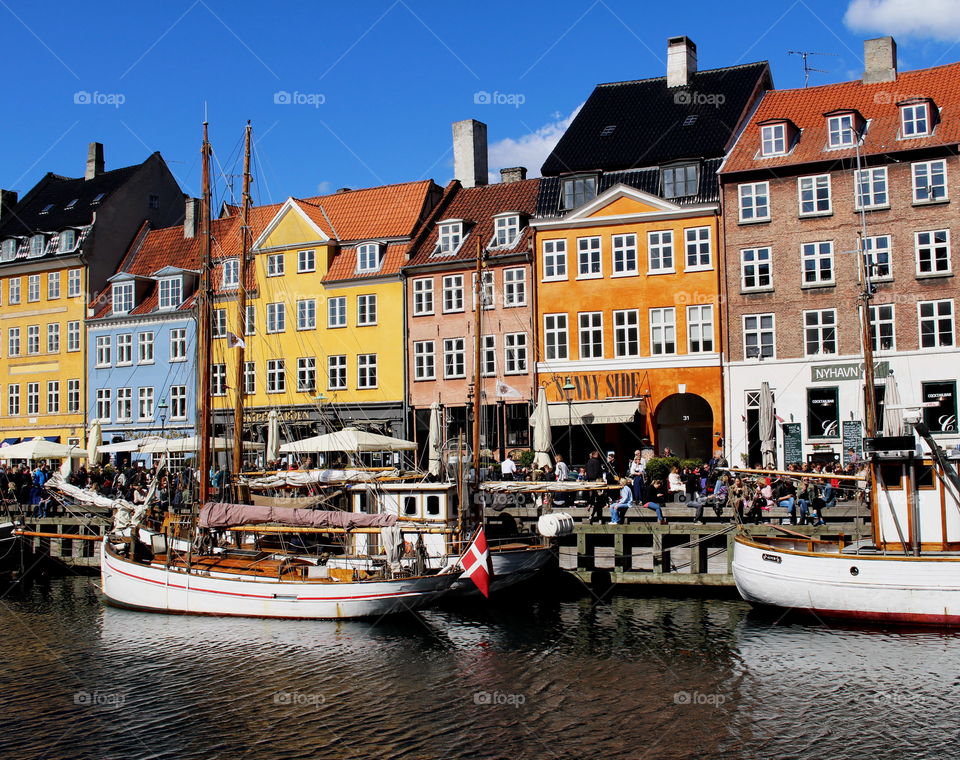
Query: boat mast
pixel 204 325
pixel 866 295
pixel 477 358
pixel 242 311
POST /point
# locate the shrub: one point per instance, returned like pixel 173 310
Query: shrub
pixel 660 467
pixel 691 463
pixel 525 458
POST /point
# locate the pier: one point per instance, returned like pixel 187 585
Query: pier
pixel 60 541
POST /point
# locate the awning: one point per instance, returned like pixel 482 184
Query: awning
pixel 593 412
pixel 9 441
pixel 52 438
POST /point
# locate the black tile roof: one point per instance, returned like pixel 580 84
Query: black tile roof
pixel 647 180
pixel 649 121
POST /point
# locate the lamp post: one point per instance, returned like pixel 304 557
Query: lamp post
pixel 568 388
pixel 319 399
pixel 162 408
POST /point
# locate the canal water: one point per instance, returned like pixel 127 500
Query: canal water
pixel 627 677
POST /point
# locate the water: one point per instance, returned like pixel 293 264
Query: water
pixel 628 678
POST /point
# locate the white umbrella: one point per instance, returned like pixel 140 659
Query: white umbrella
pixel 348 439
pixel 124 447
pixel 94 439
pixel 433 440
pixel 192 443
pixel 40 448
pixel 768 427
pixel 542 442
pixel 273 436
pixel 892 417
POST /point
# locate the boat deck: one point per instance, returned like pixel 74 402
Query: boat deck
pixel 264 565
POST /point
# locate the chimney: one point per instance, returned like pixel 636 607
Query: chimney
pixel 191 217
pixel 94 160
pixel 470 152
pixel 514 174
pixel 8 202
pixel 681 61
pixel 879 60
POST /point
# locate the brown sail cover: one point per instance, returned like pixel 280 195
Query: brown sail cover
pixel 222 515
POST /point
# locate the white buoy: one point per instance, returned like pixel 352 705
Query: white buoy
pixel 555 524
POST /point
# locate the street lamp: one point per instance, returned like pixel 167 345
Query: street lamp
pixel 568 388
pixel 162 408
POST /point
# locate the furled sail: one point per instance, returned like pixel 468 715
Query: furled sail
pixel 222 515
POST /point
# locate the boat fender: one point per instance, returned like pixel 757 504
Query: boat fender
pixel 555 524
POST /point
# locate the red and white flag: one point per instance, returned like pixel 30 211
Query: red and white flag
pixel 475 562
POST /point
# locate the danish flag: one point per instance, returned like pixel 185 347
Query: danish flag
pixel 475 562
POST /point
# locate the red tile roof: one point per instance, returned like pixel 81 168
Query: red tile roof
pixel 344 264
pixel 876 102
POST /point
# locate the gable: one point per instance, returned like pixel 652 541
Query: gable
pixel 290 228
pixel 623 205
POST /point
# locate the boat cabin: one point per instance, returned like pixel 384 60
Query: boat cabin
pixel 426 509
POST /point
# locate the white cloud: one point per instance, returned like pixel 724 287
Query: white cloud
pixel 937 19
pixel 529 150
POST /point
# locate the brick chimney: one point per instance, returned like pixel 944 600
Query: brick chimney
pixel 94 160
pixel 8 202
pixel 879 60
pixel 470 152
pixel 681 61
pixel 513 174
pixel 191 217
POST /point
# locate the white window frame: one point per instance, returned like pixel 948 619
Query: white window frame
pixel 818 324
pixel 124 404
pixel 489 290
pixel 53 397
pixel 515 353
pixel 514 287
pixel 752 260
pixel 773 140
pixel 104 351
pixel 13 400
pixel 589 257
pixel 660 249
pixel 928 170
pixel 556 338
pixel 53 286
pixel 231 274
pixel 249 378
pixel 626 332
pixel 104 404
pixel 932 246
pixel 367 310
pixel 701 329
pixel 145 347
pixel 454 358
pixel 840 134
pixel 276 317
pixel 506 231
pixel 452 294
pixel 625 255
pixel 218 379
pixel 219 323
pixel 276 376
pixel 178 403
pixel 73 335
pixel 698 244
pixel 13 341
pixel 449 237
pixel 307 314
pixel 554 260
pixel 369 257
pixel 33 399
pixel 74 278
pixel 124 349
pixel 73 396
pixel 178 344
pixel 145 404
pixel 33 288
pixel 872 251
pixel 53 337
pixel 876 322
pixel 818 252
pixel 663 330
pixel 13 291
pixel 306 374
pixel 367 372
pixel 809 191
pixel 306 261
pixel 759 331
pixel 750 211
pixel 168 288
pixel 336 312
pixel 250 320
pixel 488 356
pixel 424 360
pixel 276 265
pixel 590 334
pixel 337 372
pixel 936 319
pixel 910 115
pixel 33 339
pixel 423 300
pixel 870 184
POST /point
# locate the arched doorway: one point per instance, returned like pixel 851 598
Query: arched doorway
pixel 685 425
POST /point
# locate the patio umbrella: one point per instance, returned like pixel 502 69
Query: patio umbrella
pixel 125 447
pixel 348 439
pixel 273 436
pixel 768 427
pixel 540 421
pixel 892 417
pixel 192 444
pixel 433 440
pixel 94 439
pixel 40 448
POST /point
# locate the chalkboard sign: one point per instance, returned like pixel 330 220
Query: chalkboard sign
pixel 852 439
pixel 792 443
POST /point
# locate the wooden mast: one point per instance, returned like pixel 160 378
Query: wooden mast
pixel 477 358
pixel 204 326
pixel 242 310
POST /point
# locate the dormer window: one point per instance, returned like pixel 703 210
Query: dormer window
pixel 679 181
pixel 122 297
pixel 578 190
pixel 97 199
pixel 171 292
pixel 231 273
pixel 915 120
pixel 46 209
pixel 506 230
pixel 369 257
pixel 71 204
pixel 841 130
pixel 68 241
pixel 773 139
pixel 450 236
pixel 9 249
pixel 37 244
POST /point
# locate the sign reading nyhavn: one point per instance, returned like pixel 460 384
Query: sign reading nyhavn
pixel 851 371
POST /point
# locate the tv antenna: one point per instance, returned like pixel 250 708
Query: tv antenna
pixel 807 68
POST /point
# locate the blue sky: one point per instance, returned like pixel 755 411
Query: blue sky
pixel 363 93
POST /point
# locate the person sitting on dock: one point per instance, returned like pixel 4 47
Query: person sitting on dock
pixel 618 510
pixel 657 498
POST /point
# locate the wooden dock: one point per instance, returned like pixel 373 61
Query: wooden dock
pixel 59 545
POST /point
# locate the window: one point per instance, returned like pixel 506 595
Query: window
pixel 103 404
pixel 73 396
pixel 68 241
pixel 276 376
pixel 178 402
pixel 275 266
pixel 936 323
pixel 73 336
pixel 699 248
pixel 336 372
pixel 250 323
pixel 336 312
pixel 424 360
pixel 13 291
pixel 307 314
pixel 452 292
pixel 218 379
pixel 33 398
pixel 755 202
pixel 124 349
pixel 450 237
pixel 700 329
pixel 53 338
pixel 588 257
pixel 823 412
pixel 103 344
pixel 591 334
pixel 13 341
pixel 814 195
pixel 33 288
pixel 554 259
pixel 578 190
pixel 249 378
pixel 514 287
pixel 37 244
pixel 929 181
pixel 171 292
pixel 306 374
pixel 679 181
pixel 9 250
pixel 773 139
pixel 366 310
pixel 219 323
pixel 489 299
pixel 306 261
pixel 124 404
pixel 73 283
pixel 663 331
pixel 624 254
pixel 153 201
pixel 877 257
pixel 840 131
pixel 454 362
pixel 366 370
pixel 231 273
pixel 33 339
pixel 660 251
pixel 626 333
pixel 506 230
pixel 915 120
pixel 941 415
pixel 178 344
pixel 515 353
pixel 277 317
pixel 488 356
pixel 145 348
pixel 368 257
pixel 13 400
pixel 882 334
pixel 817 261
pixel 53 285
pixel 871 188
pixel 755 269
pixel 820 332
pixel 933 252
pixel 423 296
pixel 555 336
pixel 145 404
pixel 758 336
pixel 53 397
